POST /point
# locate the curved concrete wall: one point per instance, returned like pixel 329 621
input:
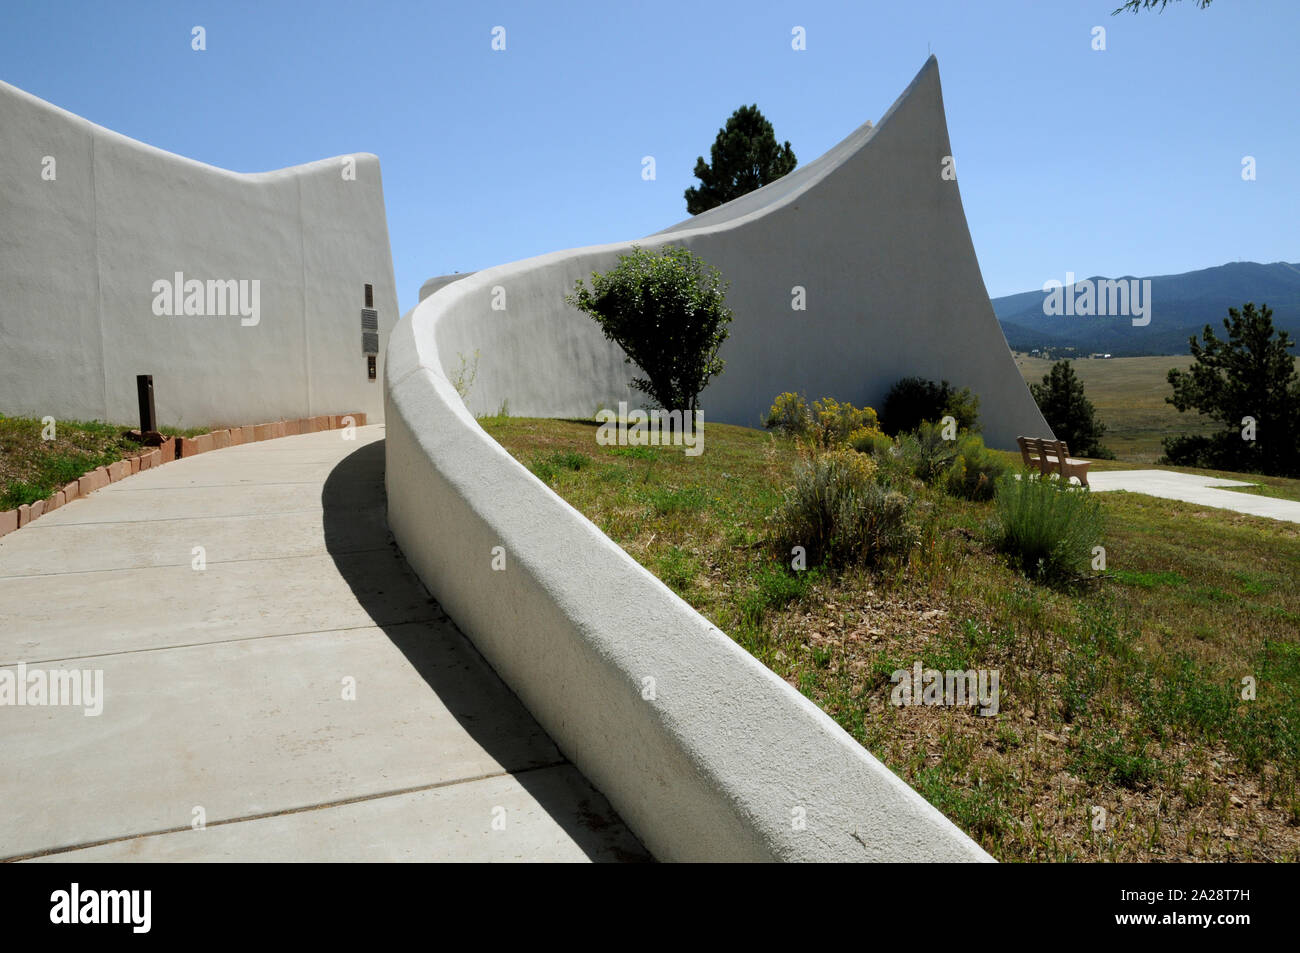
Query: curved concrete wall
pixel 79 255
pixel 721 759
pixel 871 231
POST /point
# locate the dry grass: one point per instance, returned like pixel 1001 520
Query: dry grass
pixel 1121 693
pixel 1129 395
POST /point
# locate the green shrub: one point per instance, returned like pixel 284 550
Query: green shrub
pixel 975 470
pixel 964 406
pixel 569 459
pixel 914 400
pixel 838 513
pixel 667 310
pixel 1048 527
pixel 926 454
pixel 892 471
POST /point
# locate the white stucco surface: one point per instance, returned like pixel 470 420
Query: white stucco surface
pixel 80 252
pixel 703 751
pixel 871 231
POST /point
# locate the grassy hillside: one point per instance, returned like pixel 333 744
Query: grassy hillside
pixel 1129 394
pixel 1121 694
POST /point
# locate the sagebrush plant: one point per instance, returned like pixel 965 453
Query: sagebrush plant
pixel 667 310
pixel 927 454
pixel 975 470
pixel 838 513
pixel 1047 526
pixel 789 414
pixel 872 442
pixel 827 423
pixel 833 422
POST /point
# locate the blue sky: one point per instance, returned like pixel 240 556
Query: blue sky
pixel 1069 159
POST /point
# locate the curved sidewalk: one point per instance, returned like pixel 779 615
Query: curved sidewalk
pixel 231 603
pixel 1195 488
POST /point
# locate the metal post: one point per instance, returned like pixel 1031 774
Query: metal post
pixel 144 390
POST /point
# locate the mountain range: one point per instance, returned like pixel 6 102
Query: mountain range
pixel 1180 306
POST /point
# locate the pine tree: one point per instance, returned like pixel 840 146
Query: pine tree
pixel 745 157
pixel 1069 412
pixel 1251 374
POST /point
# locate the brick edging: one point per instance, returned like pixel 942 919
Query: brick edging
pixel 172 448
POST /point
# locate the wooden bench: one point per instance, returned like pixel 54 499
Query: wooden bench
pixel 1052 456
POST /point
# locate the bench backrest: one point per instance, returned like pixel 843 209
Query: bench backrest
pixel 1055 448
pixel 1023 443
pixel 1034 451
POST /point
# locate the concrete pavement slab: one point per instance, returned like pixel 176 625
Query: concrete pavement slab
pixel 79 614
pixel 198 503
pixel 1196 489
pixel 51 548
pixel 302 688
pixel 254 727
pixel 549 813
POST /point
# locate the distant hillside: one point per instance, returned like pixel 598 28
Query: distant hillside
pixel 1181 305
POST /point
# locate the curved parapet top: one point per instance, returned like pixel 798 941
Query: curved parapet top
pixel 433 284
pixel 714 761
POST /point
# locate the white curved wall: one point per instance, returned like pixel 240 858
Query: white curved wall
pixel 870 230
pixel 79 255
pixel 717 763
pixel 712 768
pixel 433 284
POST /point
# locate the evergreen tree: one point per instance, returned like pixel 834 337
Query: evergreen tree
pixel 1251 374
pixel 745 156
pixel 1069 412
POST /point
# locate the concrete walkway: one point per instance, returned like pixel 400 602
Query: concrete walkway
pixel 1192 488
pixel 225 731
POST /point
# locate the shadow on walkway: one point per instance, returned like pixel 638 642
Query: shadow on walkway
pixel 354 504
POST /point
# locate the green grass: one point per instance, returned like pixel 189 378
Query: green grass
pixel 1278 487
pixel 32 468
pixel 1122 692
pixel 1129 396
pixel 1146 580
pixel 549 466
